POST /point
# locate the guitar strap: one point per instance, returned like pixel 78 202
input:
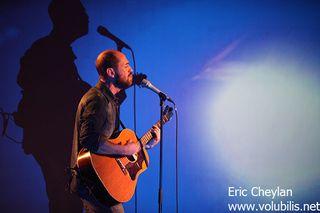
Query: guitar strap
pixel 122 125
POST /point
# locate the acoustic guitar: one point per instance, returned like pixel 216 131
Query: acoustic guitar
pixel 113 179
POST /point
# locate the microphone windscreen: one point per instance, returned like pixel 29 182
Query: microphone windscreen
pixel 137 79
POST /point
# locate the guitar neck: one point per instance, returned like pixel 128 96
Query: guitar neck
pixel 165 118
pixel 148 136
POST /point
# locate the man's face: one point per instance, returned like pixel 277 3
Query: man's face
pixel 123 72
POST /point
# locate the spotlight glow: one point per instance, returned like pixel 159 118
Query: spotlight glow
pixel 266 122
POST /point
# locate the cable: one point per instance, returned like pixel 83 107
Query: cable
pixel 177 166
pixel 135 125
pixel 120 45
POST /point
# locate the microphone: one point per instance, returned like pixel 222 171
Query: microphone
pixel 137 78
pixel 104 32
pixel 147 84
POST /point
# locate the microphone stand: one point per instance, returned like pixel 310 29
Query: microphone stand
pixel 162 97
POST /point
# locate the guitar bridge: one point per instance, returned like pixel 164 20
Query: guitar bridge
pixel 122 167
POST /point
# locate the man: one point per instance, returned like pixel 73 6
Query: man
pixel 98 118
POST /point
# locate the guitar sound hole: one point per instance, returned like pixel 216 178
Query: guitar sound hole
pixel 132 158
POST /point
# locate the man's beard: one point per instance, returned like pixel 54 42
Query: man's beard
pixel 121 83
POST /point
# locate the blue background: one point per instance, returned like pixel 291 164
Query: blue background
pixel 173 41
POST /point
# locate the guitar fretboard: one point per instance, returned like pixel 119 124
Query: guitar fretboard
pixel 148 136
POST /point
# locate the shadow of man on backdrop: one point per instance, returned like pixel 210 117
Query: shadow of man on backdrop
pixel 51 90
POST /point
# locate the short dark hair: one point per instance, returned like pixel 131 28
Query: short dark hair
pixel 106 59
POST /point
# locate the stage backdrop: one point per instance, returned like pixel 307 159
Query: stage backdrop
pixel 244 75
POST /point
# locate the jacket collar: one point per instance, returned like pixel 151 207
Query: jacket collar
pixel 106 91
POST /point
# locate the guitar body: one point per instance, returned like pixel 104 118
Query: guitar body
pixel 113 178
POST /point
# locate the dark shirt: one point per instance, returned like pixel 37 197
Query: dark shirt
pixel 97 116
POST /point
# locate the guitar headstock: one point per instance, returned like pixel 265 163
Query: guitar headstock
pixel 167 114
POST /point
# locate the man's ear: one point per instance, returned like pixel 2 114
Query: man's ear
pixel 110 72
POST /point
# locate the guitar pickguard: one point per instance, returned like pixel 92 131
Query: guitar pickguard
pixel 134 167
